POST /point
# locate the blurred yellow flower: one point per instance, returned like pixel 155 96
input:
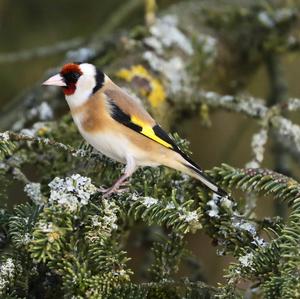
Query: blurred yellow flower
pixel 42 131
pixel 146 84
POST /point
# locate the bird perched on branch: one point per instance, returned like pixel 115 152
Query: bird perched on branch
pixel 118 126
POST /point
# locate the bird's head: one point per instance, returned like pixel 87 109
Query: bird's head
pixel 78 81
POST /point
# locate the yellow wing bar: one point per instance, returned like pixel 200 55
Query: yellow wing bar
pixel 149 132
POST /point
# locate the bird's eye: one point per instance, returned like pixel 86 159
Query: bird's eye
pixel 71 77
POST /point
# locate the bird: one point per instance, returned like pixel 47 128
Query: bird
pixel 117 125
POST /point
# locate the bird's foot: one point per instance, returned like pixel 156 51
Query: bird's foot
pixel 106 192
pixel 115 187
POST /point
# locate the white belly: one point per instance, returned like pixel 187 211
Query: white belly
pixel 108 144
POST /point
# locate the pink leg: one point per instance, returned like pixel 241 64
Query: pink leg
pixel 129 170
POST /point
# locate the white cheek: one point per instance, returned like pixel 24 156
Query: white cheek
pixel 84 89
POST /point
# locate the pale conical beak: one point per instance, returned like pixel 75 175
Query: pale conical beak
pixel 56 80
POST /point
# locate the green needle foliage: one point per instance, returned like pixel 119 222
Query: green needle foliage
pixel 68 237
pixel 275 264
pixel 6 146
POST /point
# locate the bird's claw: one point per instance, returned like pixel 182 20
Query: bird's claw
pixel 107 192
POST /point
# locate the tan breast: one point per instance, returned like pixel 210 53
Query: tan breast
pixel 93 114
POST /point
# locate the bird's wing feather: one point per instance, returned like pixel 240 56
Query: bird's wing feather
pixel 131 113
pixel 127 104
pixel 156 133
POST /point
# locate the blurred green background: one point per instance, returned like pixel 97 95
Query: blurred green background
pixel 29 24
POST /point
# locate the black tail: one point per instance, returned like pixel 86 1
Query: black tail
pixel 207 181
pixel 201 176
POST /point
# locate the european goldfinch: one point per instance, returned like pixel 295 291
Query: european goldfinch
pixel 118 126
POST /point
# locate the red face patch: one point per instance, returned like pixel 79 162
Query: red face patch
pixel 71 73
pixel 70 68
pixel 70 89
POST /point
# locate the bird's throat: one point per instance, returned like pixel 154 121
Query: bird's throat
pixel 70 89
